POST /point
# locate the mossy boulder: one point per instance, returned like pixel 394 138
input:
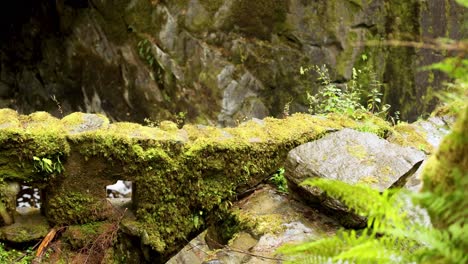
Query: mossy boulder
pixel 354 158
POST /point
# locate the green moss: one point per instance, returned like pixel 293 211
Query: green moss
pixel 445 172
pixel 357 151
pixel 402 24
pixel 405 134
pixel 25 232
pixel 364 122
pixel 7 202
pixel 9 118
pixel 259 18
pixel 212 5
pixel 76 208
pixel 343 66
pixel 168 126
pixel 370 180
pixel 37 135
pixel 79 236
pixel 182 176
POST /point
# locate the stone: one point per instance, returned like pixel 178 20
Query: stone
pixel 29 226
pixel 8 192
pixel 352 157
pixel 270 219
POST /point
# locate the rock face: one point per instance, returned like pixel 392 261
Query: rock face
pixel 352 157
pixel 216 61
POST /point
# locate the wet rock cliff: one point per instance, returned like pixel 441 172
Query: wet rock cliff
pixel 212 61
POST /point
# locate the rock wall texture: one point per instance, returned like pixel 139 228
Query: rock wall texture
pixel 212 61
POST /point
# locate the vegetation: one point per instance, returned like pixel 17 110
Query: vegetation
pixel 279 180
pixel 393 235
pixel 15 256
pixel 47 165
pixel 349 99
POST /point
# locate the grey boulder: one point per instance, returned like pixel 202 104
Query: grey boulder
pixel 352 157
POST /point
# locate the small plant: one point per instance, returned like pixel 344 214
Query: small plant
pixel 144 50
pixel 15 256
pixel 279 180
pixel 286 108
pixel 346 99
pixel 180 119
pixel 150 123
pixel 47 165
pixel 197 219
pixel 59 106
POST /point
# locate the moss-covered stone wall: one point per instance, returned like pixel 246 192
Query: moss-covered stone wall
pixel 182 177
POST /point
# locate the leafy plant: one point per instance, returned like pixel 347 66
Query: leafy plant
pixel 144 50
pixel 15 256
pixel 279 180
pixel 47 165
pixel 180 117
pixel 347 99
pixel 198 220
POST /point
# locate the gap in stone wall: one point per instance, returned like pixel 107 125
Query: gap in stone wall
pixel 120 193
pixel 28 197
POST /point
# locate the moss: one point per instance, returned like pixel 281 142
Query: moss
pixel 212 5
pixel 37 135
pixel 369 180
pixel 357 151
pixel 237 221
pixel 76 208
pixel 364 122
pixel 34 230
pixel 406 134
pixel 178 173
pixel 343 66
pixel 9 118
pixel 7 202
pixel 168 126
pixel 402 23
pixel 79 236
pixel 445 172
pixel 259 18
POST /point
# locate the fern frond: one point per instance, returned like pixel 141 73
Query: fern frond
pixel 381 209
pixel 392 235
pixel 370 251
pixel 449 207
pixel 448 246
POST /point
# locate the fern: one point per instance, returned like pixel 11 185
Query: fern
pixel 391 235
pixel 385 208
pixel 439 202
